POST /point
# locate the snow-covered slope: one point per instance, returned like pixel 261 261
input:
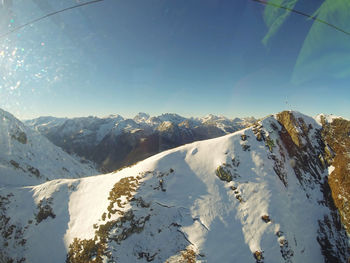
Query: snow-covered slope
pixel 96 139
pixel 28 158
pixel 258 195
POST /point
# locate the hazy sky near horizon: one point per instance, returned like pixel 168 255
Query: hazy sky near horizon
pixel 191 57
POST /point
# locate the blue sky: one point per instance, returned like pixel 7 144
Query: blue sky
pixel 190 57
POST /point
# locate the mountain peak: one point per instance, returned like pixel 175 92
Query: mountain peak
pixel 141 117
pixel 172 117
pixel 116 117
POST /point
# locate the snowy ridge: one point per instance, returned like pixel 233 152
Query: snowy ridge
pixel 243 197
pixel 28 158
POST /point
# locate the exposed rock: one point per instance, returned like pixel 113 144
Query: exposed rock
pixel 149 258
pixel 269 143
pixel 286 252
pixel 246 147
pixel 223 173
pixel 189 256
pixel 140 224
pixel 239 198
pixel 45 210
pixel 288 121
pixel 19 136
pixel 258 255
pixel 33 170
pixel 337 153
pixel 15 164
pixel 266 218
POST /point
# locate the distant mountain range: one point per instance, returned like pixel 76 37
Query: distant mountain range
pixel 113 142
pixel 275 192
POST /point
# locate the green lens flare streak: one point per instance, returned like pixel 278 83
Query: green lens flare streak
pixel 303 14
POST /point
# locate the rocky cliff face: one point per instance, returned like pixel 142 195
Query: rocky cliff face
pixel 336 136
pixel 311 150
pixel 113 142
pixel 262 194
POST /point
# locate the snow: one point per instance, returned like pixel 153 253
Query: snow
pixel 141 117
pixel 331 169
pixel 197 209
pixel 327 117
pixel 34 160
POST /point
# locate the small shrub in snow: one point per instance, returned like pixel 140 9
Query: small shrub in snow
pixel 223 174
pixel 266 218
pixel 34 171
pixel 94 250
pixel 14 164
pixel 279 233
pixel 103 217
pixel 147 255
pixel 82 251
pixel 239 198
pixel 124 187
pixel 45 210
pixel 188 256
pixel 246 147
pixel 20 137
pixel 269 143
pixel 258 255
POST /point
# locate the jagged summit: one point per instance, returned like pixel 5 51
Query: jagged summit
pixel 171 117
pixel 261 194
pixel 141 117
pixel 211 117
pixel 115 117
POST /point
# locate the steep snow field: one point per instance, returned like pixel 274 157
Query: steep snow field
pixel 28 158
pixel 236 198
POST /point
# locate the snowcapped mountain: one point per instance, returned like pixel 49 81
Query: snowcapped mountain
pixel 90 128
pixel 262 194
pixel 142 117
pixel 225 124
pixel 113 142
pixel 28 158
